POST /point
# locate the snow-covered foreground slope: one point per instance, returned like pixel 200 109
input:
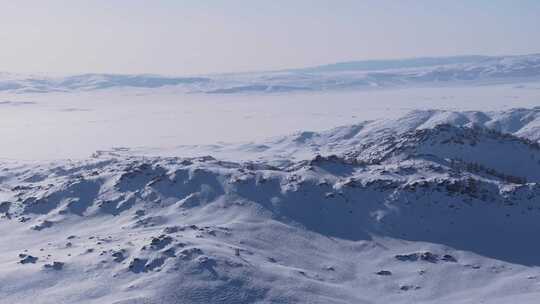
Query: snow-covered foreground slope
pixel 468 70
pixel 436 207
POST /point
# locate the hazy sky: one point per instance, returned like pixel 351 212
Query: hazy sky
pixel 198 36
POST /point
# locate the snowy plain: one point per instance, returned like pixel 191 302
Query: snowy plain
pixel 76 124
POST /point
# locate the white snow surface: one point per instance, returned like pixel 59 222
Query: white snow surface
pixel 76 124
pixel 435 206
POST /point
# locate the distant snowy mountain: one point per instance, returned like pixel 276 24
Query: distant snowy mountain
pixel 89 82
pixel 377 65
pixel 435 207
pixel 461 70
pixel 469 70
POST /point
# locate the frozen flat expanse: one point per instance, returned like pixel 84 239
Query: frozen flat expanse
pixel 46 126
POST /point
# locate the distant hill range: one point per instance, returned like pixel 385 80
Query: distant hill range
pixel 353 75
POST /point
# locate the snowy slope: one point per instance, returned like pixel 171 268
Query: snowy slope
pixel 435 207
pixel 521 122
pixel 461 70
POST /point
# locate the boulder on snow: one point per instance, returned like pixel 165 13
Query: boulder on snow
pixel 384 273
pixel 26 259
pixel 55 265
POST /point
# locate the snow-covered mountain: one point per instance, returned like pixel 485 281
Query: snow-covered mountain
pixel 435 207
pixel 461 70
pixel 87 82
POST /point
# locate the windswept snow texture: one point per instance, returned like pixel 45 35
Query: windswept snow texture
pixel 433 207
pixel 417 72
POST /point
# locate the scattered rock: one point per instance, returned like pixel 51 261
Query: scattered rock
pixel 409 287
pixel 448 258
pixel 43 225
pixel 425 256
pixel 137 265
pixel 429 257
pixel 190 253
pixel 160 241
pixel 412 257
pixel 55 266
pixel 384 273
pixel 118 256
pixel 173 229
pixel 26 258
pixel 24 219
pixel 4 207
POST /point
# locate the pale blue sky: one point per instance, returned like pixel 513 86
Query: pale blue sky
pixel 197 36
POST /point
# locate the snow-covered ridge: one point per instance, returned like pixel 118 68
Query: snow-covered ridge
pixel 460 70
pixel 88 82
pixel 387 215
pixel 377 65
pixel 520 122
